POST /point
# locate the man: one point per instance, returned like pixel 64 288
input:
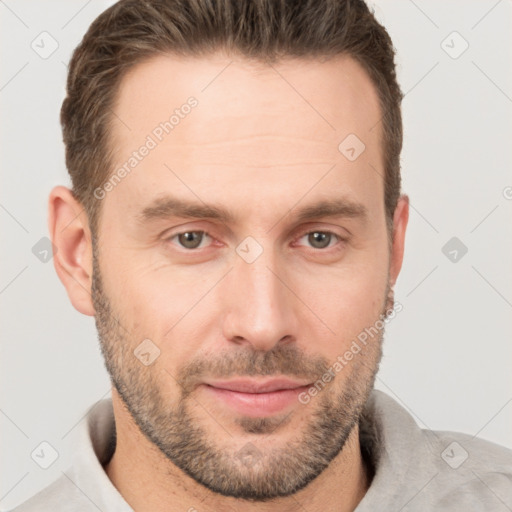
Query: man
pixel 236 228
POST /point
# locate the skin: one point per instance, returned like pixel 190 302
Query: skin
pixel 257 147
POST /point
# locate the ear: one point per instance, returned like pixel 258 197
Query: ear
pixel 400 219
pixel 69 230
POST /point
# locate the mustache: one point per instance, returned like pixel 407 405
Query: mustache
pixel 282 360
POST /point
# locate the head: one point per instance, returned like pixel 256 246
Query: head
pixel 235 212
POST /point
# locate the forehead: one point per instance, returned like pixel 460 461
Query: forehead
pixel 254 126
pixel 331 95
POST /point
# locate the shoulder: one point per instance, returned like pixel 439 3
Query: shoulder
pixel 459 450
pixel 422 469
pixel 469 470
pixel 394 428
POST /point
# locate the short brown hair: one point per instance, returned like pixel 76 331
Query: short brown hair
pixel 265 30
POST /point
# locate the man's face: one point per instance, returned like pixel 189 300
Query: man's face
pixel 265 293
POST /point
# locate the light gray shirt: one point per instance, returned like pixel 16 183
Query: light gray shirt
pixel 415 469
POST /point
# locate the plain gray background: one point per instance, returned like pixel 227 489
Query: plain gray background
pixel 447 355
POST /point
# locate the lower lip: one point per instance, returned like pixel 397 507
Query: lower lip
pixel 256 404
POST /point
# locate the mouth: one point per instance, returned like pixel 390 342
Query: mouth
pixel 256 397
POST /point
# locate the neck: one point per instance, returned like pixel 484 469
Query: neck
pixel 148 481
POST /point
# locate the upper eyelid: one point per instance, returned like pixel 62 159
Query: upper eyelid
pixel 301 233
pixel 320 230
pixel 297 229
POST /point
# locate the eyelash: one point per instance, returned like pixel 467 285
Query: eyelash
pixel 339 238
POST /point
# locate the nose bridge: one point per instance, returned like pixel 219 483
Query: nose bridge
pixel 259 306
pixel 260 281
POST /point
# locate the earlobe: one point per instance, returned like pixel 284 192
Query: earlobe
pixel 69 230
pixel 400 220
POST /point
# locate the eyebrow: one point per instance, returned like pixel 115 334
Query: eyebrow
pixel 168 207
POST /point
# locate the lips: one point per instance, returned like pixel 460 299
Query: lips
pixel 257 385
pixel 255 397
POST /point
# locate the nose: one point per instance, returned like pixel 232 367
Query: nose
pixel 259 306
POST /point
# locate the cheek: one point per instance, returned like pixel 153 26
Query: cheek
pixel 153 306
pixel 145 304
pixel 347 300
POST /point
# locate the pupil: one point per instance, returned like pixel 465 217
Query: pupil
pixel 319 239
pixel 190 239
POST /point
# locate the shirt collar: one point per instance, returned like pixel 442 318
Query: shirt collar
pixel 96 445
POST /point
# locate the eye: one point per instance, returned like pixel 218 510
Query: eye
pixel 321 239
pixel 189 239
pixel 192 240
